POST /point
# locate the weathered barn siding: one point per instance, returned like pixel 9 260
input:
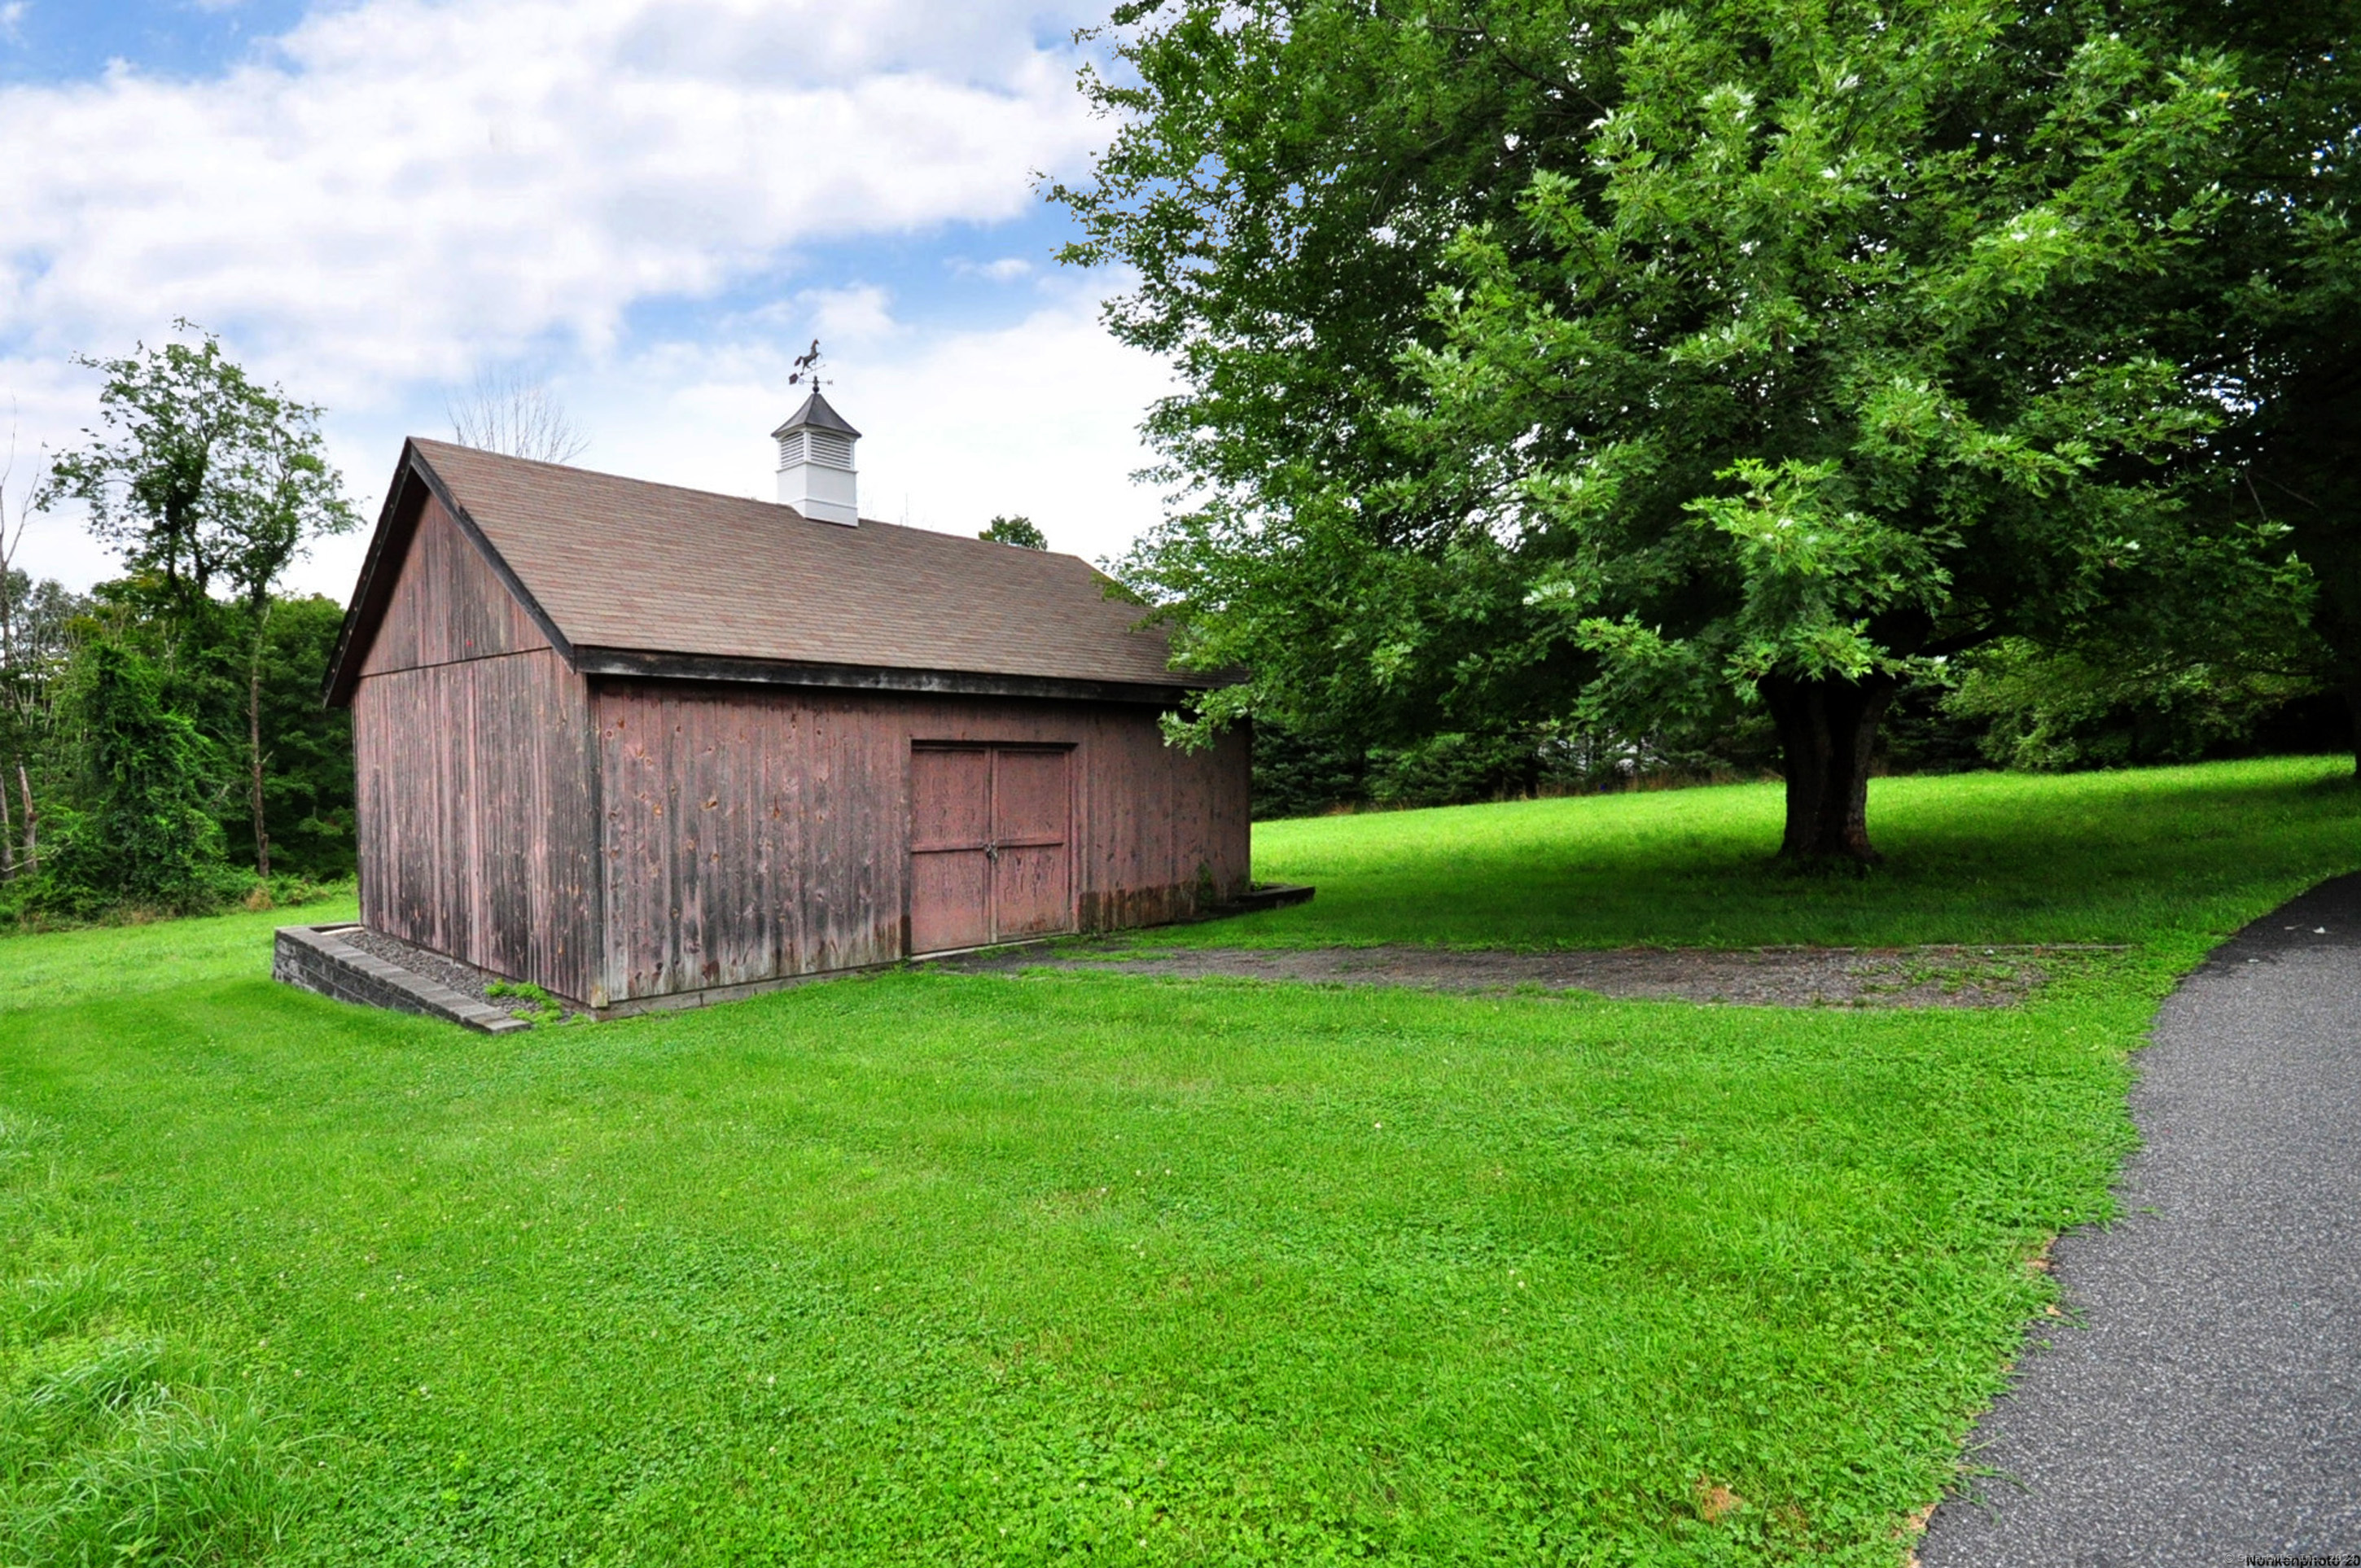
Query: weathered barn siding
pixel 545 794
pixel 476 776
pixel 755 834
pixel 447 605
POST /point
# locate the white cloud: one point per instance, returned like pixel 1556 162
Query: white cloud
pixel 399 192
pixel 402 188
pixel 1038 418
pixel 12 20
pixel 47 400
pixel 855 318
pixel 1007 270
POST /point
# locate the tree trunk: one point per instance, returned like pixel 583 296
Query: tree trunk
pixel 2353 705
pixel 254 750
pixel 8 837
pixel 1827 729
pixel 32 820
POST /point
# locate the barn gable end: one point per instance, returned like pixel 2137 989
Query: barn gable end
pixel 476 772
pixel 447 605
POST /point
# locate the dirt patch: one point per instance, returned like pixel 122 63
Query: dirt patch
pixel 1760 977
pixel 1716 1503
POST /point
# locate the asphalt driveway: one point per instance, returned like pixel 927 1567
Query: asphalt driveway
pixel 2203 1403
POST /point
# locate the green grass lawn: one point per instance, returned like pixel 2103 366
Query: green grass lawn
pixel 971 1268
pixel 2117 857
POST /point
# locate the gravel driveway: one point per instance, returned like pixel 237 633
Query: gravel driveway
pixel 1773 977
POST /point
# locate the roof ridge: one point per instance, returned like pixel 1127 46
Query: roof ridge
pixel 484 451
pixel 719 580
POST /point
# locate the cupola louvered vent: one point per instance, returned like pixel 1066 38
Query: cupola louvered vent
pixel 816 471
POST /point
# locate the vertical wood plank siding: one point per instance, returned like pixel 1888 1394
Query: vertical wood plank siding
pixel 473 751
pixel 754 834
pixel 447 605
pixel 624 839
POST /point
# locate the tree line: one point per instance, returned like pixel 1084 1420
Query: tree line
pixel 1571 384
pixel 162 735
pixel 164 745
pixel 1570 389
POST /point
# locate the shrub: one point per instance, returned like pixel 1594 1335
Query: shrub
pixel 138 832
pixel 2048 712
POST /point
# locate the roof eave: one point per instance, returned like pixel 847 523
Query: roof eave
pixel 653 664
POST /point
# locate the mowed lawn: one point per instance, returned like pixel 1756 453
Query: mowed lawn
pixel 2114 857
pixel 932 1268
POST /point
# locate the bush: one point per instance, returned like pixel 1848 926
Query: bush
pixel 2046 712
pixel 140 832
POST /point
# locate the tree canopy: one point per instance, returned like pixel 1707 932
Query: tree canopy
pixel 1021 532
pixel 209 485
pixel 199 475
pixel 2268 313
pixel 519 416
pixel 1629 365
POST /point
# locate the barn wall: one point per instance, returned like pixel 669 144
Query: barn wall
pixel 476 773
pixel 755 834
pixel 447 605
pixel 476 815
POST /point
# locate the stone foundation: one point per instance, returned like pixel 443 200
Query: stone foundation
pixel 315 959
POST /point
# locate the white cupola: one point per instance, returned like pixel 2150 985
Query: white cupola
pixel 816 473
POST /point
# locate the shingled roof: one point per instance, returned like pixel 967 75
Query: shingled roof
pixel 629 577
pixel 817 413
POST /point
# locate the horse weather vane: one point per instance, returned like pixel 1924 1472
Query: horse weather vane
pixel 807 367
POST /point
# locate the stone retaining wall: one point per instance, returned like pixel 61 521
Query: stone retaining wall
pixel 313 957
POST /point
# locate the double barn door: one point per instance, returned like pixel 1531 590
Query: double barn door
pixel 990 845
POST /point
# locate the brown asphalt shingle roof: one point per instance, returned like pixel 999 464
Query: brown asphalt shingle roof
pixel 624 563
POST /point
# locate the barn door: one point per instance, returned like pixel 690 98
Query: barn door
pixel 950 835
pixel 1032 894
pixel 990 845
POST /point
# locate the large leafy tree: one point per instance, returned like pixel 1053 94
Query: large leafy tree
pixel 208 483
pixel 2269 309
pixel 1281 181
pixel 1636 364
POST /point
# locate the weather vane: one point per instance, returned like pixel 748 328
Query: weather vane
pixel 807 367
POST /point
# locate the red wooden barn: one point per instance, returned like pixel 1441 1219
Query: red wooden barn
pixel 645 745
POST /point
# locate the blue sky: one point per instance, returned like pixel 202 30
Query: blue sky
pixel 652 204
pixel 50 40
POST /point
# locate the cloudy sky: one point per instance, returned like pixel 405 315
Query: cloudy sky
pixel 653 204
